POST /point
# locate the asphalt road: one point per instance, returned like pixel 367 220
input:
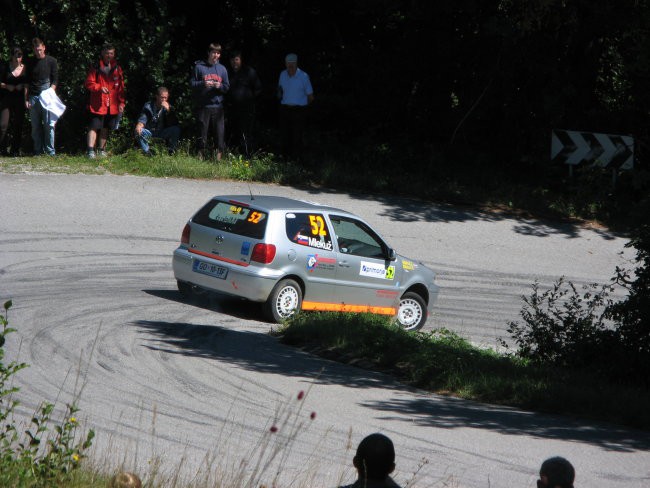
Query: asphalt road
pixel 86 261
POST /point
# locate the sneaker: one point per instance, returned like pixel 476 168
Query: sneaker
pixel 103 154
pixel 91 155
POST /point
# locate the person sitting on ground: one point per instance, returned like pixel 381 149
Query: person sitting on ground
pixel 374 461
pixel 126 480
pixel 157 119
pixel 556 472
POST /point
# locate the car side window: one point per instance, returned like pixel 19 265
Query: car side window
pixel 355 237
pixel 309 229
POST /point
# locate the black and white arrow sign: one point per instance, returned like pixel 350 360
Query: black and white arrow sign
pixel 606 150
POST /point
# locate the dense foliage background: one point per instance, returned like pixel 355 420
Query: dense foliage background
pixel 492 76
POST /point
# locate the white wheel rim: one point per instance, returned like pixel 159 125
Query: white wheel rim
pixel 409 313
pixel 287 301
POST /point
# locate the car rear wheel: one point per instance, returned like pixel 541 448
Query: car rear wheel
pixel 412 311
pixel 284 300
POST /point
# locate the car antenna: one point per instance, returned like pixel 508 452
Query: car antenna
pixel 250 191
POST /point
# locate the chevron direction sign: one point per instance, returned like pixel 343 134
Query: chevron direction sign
pixel 606 150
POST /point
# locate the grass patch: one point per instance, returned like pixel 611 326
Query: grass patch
pixel 183 164
pixel 443 362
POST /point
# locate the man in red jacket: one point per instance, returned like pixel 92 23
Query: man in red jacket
pixel 105 82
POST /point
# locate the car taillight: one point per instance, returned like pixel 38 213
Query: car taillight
pixel 185 236
pixel 263 253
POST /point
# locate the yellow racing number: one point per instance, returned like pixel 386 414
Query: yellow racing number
pixel 390 272
pixel 317 225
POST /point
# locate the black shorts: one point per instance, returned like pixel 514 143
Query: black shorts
pixel 110 122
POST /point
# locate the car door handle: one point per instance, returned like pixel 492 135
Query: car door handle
pixel 344 264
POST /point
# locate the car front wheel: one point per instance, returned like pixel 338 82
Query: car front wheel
pixel 284 300
pixel 412 311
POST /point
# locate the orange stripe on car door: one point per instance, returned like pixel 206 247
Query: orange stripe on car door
pixel 345 307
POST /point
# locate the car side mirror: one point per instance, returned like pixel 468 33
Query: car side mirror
pixel 392 255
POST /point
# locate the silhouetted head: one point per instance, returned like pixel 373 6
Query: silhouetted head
pixel 556 472
pixel 375 458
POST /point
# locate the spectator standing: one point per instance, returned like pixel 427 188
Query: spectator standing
pixel 245 87
pixel 556 472
pixel 295 93
pixel 13 82
pixel 209 84
pixel 105 82
pixel 158 119
pixel 42 74
pixel 374 461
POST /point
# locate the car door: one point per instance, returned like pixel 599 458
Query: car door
pixel 312 250
pixel 365 276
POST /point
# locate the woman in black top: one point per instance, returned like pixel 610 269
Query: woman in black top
pixel 13 81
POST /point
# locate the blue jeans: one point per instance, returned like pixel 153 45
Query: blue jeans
pixel 42 127
pixel 169 134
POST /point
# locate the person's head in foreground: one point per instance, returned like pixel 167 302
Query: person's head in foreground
pixel 126 480
pixel 556 472
pixel 375 458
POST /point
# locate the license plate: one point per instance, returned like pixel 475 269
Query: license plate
pixel 210 269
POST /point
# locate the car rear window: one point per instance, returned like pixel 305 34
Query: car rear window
pixel 233 217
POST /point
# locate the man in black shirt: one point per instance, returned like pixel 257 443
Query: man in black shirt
pixel 43 73
pixel 245 87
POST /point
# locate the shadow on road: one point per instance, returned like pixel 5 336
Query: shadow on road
pixel 403 209
pixel 263 354
pixel 450 413
pixel 253 351
pixel 225 304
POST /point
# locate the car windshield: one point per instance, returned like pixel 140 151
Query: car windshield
pixel 232 217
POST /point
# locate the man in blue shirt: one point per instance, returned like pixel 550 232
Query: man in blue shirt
pixel 210 83
pixel 295 93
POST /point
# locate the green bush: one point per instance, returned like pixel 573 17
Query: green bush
pixel 562 326
pixel 632 315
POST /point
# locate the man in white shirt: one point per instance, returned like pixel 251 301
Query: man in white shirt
pixel 295 93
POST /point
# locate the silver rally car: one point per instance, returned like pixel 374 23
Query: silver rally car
pixel 294 255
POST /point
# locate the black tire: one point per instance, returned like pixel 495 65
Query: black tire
pixel 185 289
pixel 412 311
pixel 284 301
